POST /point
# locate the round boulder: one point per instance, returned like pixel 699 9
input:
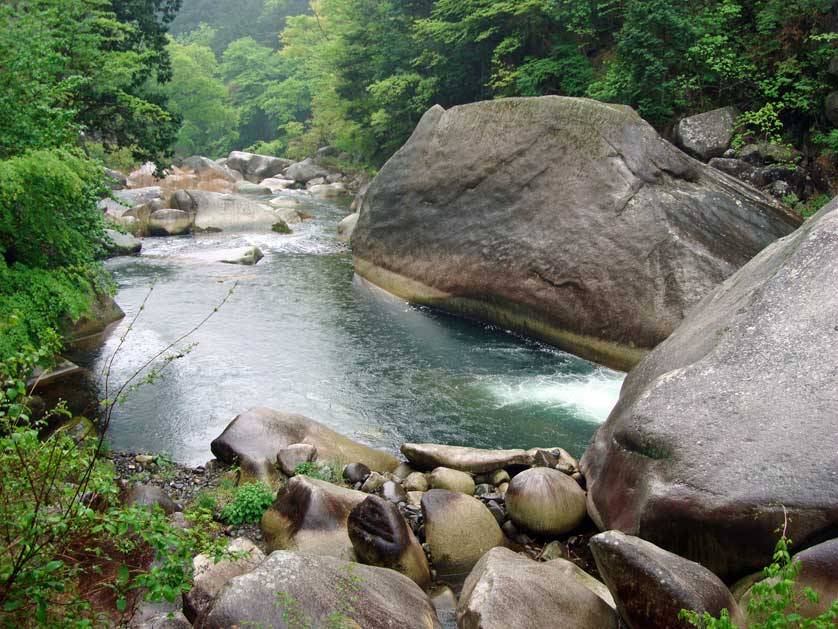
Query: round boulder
pixel 452 480
pixel 545 501
pixel 168 222
pixel 289 458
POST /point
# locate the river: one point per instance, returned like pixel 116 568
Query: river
pixel 302 334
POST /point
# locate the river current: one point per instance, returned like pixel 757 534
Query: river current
pixel 302 334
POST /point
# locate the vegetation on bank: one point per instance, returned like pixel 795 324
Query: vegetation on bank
pixel 358 74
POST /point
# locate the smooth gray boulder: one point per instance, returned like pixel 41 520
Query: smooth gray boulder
pixel 346 227
pixel 651 586
pixel 328 190
pixel 226 212
pixel 562 218
pixel 305 171
pixel 506 590
pixel 247 256
pixel 169 222
pixel 255 167
pixel 139 196
pixel 731 421
pixel 429 456
pixel 204 166
pixel 276 184
pixel 707 135
pixel 119 244
pixel 314 588
pixel 254 439
pixel 249 188
pixel 452 480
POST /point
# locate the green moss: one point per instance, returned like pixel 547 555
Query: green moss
pixel 281 227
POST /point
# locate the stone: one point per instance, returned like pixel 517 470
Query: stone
pixel 373 483
pixel 358 201
pixel 113 210
pixel 209 577
pixel 506 590
pixel 445 603
pixel 459 530
pixel 499 477
pixel 285 202
pixel 204 166
pixel 119 244
pixel 305 171
pixel 764 176
pixel 427 456
pixel 317 181
pixel 717 433
pixel 651 586
pixel 346 227
pixel 416 482
pixel 403 471
pixel 289 216
pixel 310 516
pixel 225 212
pixel 414 498
pixel 452 480
pixel 315 588
pixel 830 108
pixel 171 620
pixel 500 211
pixel 483 489
pixel 393 492
pixel 115 179
pixel 734 167
pixel 545 501
pixel 769 153
pixel 819 571
pixel 276 184
pixel 381 537
pixel 254 167
pixel 328 190
pixel 497 511
pixel 139 495
pixel 88 330
pixel 543 458
pixel 139 196
pixel 573 571
pixel 254 438
pixel 248 188
pixel 707 135
pixel 356 473
pixel 289 458
pixel 169 222
pixel 247 256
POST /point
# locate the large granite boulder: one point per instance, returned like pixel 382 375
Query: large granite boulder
pixel 731 421
pixel 254 167
pixel 169 222
pixel 381 537
pixel 563 218
pixel 310 516
pixel 254 438
pixel 545 501
pixel 305 171
pixel 651 586
pixel 226 212
pixel 506 590
pixel 139 196
pixel 459 530
pixel 707 135
pixel 429 456
pixel 301 590
pixel 119 244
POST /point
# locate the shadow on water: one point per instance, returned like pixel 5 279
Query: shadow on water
pixel 303 334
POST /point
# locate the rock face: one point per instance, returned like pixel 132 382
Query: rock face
pixel 545 501
pixel 227 212
pixel 346 227
pixel 707 135
pixel 459 530
pixel 254 167
pixel 169 222
pixel 718 429
pixel 508 591
pixel 381 537
pixel 254 439
pixel 119 244
pixel 310 516
pixel 428 456
pixel 210 577
pixel 313 589
pixel 566 219
pixel 651 586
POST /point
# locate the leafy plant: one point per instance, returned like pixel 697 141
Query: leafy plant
pixel 313 470
pixel 250 502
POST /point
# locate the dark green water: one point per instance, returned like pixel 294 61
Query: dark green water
pixel 302 334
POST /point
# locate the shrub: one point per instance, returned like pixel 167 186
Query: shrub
pixel 250 502
pixel 312 470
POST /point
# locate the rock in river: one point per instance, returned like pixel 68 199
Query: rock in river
pixel 310 516
pixel 313 589
pixel 732 419
pixel 509 591
pixel 381 537
pixel 545 501
pixel 169 222
pixel 428 456
pixel 651 586
pixel 563 218
pixel 459 530
pixel 226 212
pixel 254 167
pixel 254 439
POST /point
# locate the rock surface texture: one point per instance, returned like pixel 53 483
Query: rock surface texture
pixel 707 135
pixel 566 219
pixel 732 419
pixel 315 588
pixel 508 591
pixel 545 501
pixel 428 456
pixel 651 586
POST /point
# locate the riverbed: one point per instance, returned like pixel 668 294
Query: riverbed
pixel 301 333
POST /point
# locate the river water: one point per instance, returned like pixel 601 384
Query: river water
pixel 302 334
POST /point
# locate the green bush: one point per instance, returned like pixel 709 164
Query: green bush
pixel 312 470
pixel 250 502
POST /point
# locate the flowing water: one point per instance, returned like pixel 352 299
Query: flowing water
pixel 302 334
